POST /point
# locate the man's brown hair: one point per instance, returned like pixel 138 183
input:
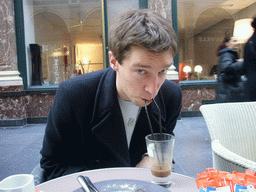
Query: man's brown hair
pixel 142 28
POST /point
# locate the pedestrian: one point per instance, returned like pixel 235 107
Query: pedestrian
pixel 250 65
pixel 230 87
pixel 98 119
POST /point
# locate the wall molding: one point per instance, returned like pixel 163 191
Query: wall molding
pixel 41 120
pixel 14 123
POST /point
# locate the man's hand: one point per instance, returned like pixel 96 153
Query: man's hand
pixel 145 163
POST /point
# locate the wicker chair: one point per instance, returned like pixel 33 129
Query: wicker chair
pixel 232 128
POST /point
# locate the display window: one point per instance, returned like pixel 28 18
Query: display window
pixel 202 26
pixel 66 38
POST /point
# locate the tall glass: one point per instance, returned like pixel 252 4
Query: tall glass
pixel 160 152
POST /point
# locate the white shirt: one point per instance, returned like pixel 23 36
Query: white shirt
pixel 130 114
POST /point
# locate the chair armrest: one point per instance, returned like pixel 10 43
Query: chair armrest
pixel 230 157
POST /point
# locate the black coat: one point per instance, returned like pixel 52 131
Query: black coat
pixel 230 87
pixel 85 128
pixel 250 68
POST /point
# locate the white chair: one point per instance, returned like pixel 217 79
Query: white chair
pixel 232 128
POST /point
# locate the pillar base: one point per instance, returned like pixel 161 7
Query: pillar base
pixel 10 78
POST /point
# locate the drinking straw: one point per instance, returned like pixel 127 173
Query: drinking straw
pixel 151 129
pixel 149 122
pixel 160 124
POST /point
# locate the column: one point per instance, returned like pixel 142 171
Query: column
pixel 12 102
pixel 165 8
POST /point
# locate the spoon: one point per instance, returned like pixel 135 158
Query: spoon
pixel 83 182
pixel 89 182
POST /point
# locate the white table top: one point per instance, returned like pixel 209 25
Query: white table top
pixel 180 183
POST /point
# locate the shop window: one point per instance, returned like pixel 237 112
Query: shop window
pixel 62 39
pixel 202 25
pixel 66 38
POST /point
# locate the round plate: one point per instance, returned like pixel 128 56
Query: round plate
pixel 127 185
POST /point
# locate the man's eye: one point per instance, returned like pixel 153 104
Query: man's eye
pixel 163 71
pixel 141 71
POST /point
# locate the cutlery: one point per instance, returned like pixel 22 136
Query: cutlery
pixel 90 184
pixel 83 182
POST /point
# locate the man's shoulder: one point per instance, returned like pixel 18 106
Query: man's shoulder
pixel 85 85
pixel 171 92
pixel 170 87
pixel 86 80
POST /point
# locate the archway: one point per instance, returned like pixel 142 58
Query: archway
pixel 212 25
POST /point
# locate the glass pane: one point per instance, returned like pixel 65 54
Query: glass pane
pixel 116 7
pixel 63 39
pixel 202 25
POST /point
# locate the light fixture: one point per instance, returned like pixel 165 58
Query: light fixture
pixel 187 69
pixel 243 30
pixel 57 54
pixel 198 69
pixel 86 61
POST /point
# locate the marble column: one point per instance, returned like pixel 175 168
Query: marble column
pixel 11 106
pixel 161 6
pixel 164 7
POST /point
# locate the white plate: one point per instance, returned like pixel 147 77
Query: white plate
pixel 126 185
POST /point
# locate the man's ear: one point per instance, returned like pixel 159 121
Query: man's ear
pixel 112 61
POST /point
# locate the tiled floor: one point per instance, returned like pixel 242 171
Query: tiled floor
pixel 192 152
pixel 19 148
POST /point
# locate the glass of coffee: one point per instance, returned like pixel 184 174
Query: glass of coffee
pixel 160 152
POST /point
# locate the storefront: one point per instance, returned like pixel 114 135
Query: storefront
pixel 59 39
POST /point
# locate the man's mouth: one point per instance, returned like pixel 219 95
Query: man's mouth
pixel 148 101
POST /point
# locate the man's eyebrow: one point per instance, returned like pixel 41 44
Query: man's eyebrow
pixel 141 65
pixel 149 66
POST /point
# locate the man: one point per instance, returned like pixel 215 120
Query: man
pixel 98 120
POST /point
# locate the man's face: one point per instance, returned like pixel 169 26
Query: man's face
pixel 141 74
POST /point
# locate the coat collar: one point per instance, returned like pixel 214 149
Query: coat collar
pixel 106 97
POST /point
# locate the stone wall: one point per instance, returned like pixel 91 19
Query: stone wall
pixel 192 98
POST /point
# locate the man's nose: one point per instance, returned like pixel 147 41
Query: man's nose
pixel 152 86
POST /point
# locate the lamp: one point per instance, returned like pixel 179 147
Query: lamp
pixel 187 69
pixel 86 62
pixel 198 69
pixel 243 30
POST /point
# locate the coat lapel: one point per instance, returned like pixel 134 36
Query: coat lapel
pixel 107 119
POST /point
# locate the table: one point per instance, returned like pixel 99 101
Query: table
pixel 181 183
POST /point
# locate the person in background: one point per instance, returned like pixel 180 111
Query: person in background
pixel 230 87
pixel 250 65
pixel 98 119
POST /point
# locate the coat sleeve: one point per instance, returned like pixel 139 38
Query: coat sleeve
pixel 57 151
pixel 228 64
